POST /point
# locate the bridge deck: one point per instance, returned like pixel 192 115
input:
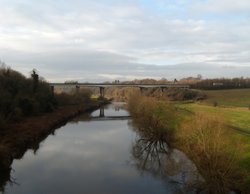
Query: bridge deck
pixel 110 118
pixel 121 85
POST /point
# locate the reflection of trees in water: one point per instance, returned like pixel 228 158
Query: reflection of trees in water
pixel 5 177
pixel 150 154
pixel 5 174
pixel 154 156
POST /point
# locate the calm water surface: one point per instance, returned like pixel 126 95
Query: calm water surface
pixel 94 154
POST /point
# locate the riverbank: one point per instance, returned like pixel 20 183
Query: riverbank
pixel 28 134
pixel 219 153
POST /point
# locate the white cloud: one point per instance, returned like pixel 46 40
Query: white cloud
pixel 103 38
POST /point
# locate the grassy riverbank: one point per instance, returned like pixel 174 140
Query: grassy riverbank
pixel 220 154
pixel 238 117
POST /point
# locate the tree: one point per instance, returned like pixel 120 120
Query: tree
pixel 35 78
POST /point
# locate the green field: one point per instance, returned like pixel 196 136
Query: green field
pixel 235 116
pixel 232 105
pixel 232 97
pixel 233 108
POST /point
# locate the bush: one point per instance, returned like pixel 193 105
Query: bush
pixel 3 123
pixel 18 97
pixel 179 94
pixel 28 106
pixel 18 114
pixel 81 97
pixel 152 117
pixel 207 141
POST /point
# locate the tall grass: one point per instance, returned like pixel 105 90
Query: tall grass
pixel 152 117
pixel 207 141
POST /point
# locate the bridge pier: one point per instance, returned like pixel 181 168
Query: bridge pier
pixel 142 89
pixel 163 89
pixel 77 88
pixel 101 92
pixel 101 112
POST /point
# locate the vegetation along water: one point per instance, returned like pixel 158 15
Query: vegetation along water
pixel 172 141
pixel 220 154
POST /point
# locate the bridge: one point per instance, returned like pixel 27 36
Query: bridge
pixel 102 86
pixel 102 117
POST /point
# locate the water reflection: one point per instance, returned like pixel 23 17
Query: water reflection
pixel 150 155
pixel 105 114
pixel 101 156
pixel 155 157
pixel 5 174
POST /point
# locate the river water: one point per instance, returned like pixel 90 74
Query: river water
pixel 102 153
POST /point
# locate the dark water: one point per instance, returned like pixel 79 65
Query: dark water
pixel 102 155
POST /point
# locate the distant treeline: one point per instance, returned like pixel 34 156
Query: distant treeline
pixel 22 97
pixel 199 83
pixel 223 83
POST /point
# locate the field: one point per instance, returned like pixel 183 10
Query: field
pixel 232 107
pixel 236 116
pixel 233 97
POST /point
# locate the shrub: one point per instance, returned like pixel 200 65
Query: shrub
pixel 213 150
pixel 3 123
pixel 28 106
pixel 81 97
pixel 17 114
pixel 153 118
pixel 18 97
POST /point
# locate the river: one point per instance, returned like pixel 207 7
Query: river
pixel 101 153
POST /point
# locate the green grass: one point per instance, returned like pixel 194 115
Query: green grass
pixel 232 97
pixel 233 108
pixel 237 117
pixel 94 97
pixel 245 161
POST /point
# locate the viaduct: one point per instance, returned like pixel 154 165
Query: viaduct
pixel 102 86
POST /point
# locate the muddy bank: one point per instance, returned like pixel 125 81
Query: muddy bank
pixel 28 134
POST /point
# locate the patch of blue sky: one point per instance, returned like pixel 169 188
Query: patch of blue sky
pixel 170 9
pixel 162 7
pixel 224 17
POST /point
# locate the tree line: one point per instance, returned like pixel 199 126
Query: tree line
pixel 21 97
pixel 222 83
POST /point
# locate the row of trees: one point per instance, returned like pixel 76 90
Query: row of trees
pixel 21 97
pixel 200 83
pixel 223 83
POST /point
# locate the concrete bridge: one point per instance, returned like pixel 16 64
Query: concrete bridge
pixel 102 86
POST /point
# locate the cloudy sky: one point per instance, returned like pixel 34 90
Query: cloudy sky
pixel 99 40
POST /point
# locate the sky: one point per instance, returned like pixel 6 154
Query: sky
pixel 104 40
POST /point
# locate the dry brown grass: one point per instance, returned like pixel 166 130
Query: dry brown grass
pixel 152 117
pixel 207 141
